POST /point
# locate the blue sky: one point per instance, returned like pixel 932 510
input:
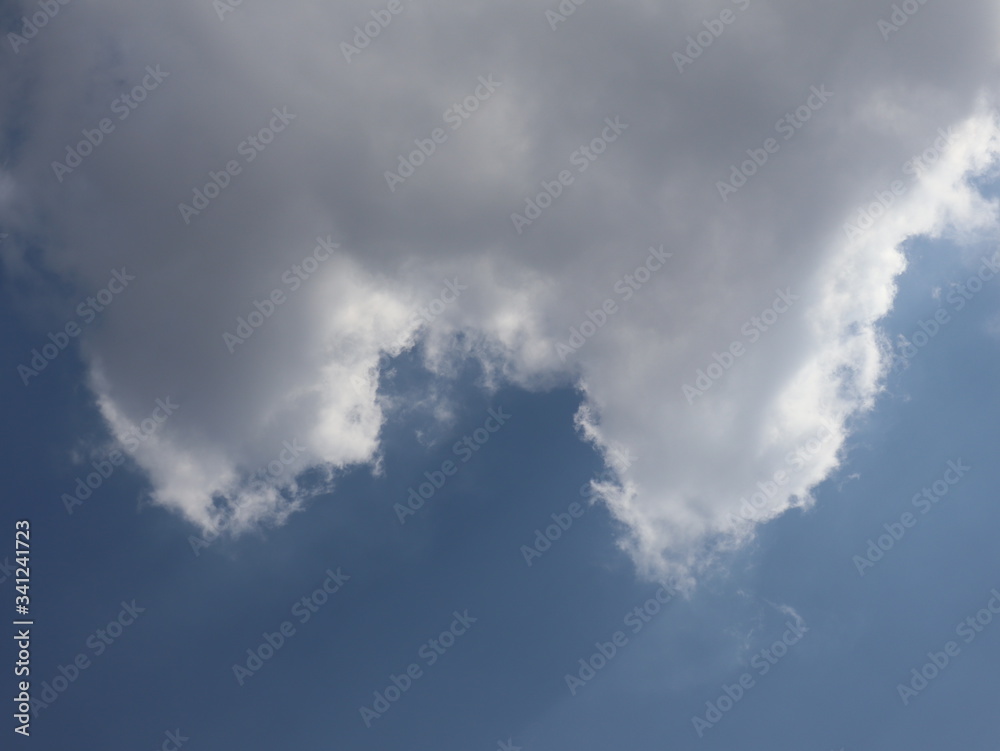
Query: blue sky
pixel 312 459
pixel 505 677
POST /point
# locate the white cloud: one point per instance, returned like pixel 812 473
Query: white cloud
pixel 310 371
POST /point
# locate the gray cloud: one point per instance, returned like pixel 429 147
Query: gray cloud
pixel 656 184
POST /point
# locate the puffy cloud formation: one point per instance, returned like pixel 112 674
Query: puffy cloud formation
pixel 693 212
